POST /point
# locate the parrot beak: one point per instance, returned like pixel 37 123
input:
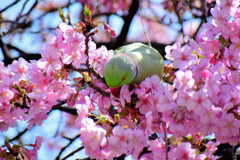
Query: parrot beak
pixel 115 91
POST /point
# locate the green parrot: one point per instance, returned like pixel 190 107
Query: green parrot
pixel 131 64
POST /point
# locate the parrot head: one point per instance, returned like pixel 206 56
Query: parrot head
pixel 119 70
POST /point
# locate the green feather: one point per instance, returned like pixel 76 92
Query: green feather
pixel 122 69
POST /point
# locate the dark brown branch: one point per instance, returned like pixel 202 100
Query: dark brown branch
pixel 8 21
pixel 98 89
pixel 5 51
pixel 23 7
pixel 196 32
pixel 177 12
pixel 127 21
pixel 21 52
pixel 95 73
pixel 59 106
pixel 204 12
pixel 10 5
pixel 30 10
pixel 8 60
pixel 18 135
pixel 71 140
pixel 72 111
pixel 72 153
pixel 89 69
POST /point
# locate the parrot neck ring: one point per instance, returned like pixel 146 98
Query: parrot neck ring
pixel 137 66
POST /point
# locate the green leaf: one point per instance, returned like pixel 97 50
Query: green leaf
pixel 87 12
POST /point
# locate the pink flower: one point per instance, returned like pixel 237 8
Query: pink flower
pixel 139 142
pixel 32 154
pixel 229 125
pixel 182 57
pixel 218 16
pixel 182 152
pixel 5 95
pixel 228 6
pixel 149 92
pixel 92 135
pixel 158 148
pixel 37 118
pixel 98 58
pixel 209 1
pixel 121 140
pixel 165 102
pixel 51 57
pixel 74 46
pixel 149 123
pixel 169 49
pixel 209 47
pixel 211 148
pixel 19 69
pixel 200 157
pixel 213 85
pixel 197 101
pixel 184 80
pixel 111 31
pixel 125 95
pixel 182 98
pixel 232 55
pixel 84 110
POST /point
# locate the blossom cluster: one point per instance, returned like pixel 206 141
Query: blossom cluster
pixel 207 81
pixel 203 99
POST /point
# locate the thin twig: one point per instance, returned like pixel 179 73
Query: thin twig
pixel 121 39
pixel 96 73
pixel 23 7
pixel 18 135
pixel 72 153
pixel 166 142
pixel 71 140
pixel 59 106
pixel 98 89
pixel 10 5
pixel 204 17
pixel 144 28
pixel 177 11
pixel 30 10
pixel 72 111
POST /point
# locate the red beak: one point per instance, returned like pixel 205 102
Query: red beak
pixel 115 91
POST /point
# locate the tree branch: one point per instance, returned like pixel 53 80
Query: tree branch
pixel 59 106
pixel 72 153
pixel 71 140
pixel 18 135
pixel 10 5
pixel 127 21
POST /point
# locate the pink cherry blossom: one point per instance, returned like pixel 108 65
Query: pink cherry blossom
pixel 121 140
pixel 229 6
pixel 182 152
pixel 229 126
pixel 182 57
pixel 158 148
pixel 125 95
pixel 93 136
pixel 197 101
pixel 184 80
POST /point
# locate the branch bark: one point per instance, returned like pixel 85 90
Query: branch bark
pixel 121 39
